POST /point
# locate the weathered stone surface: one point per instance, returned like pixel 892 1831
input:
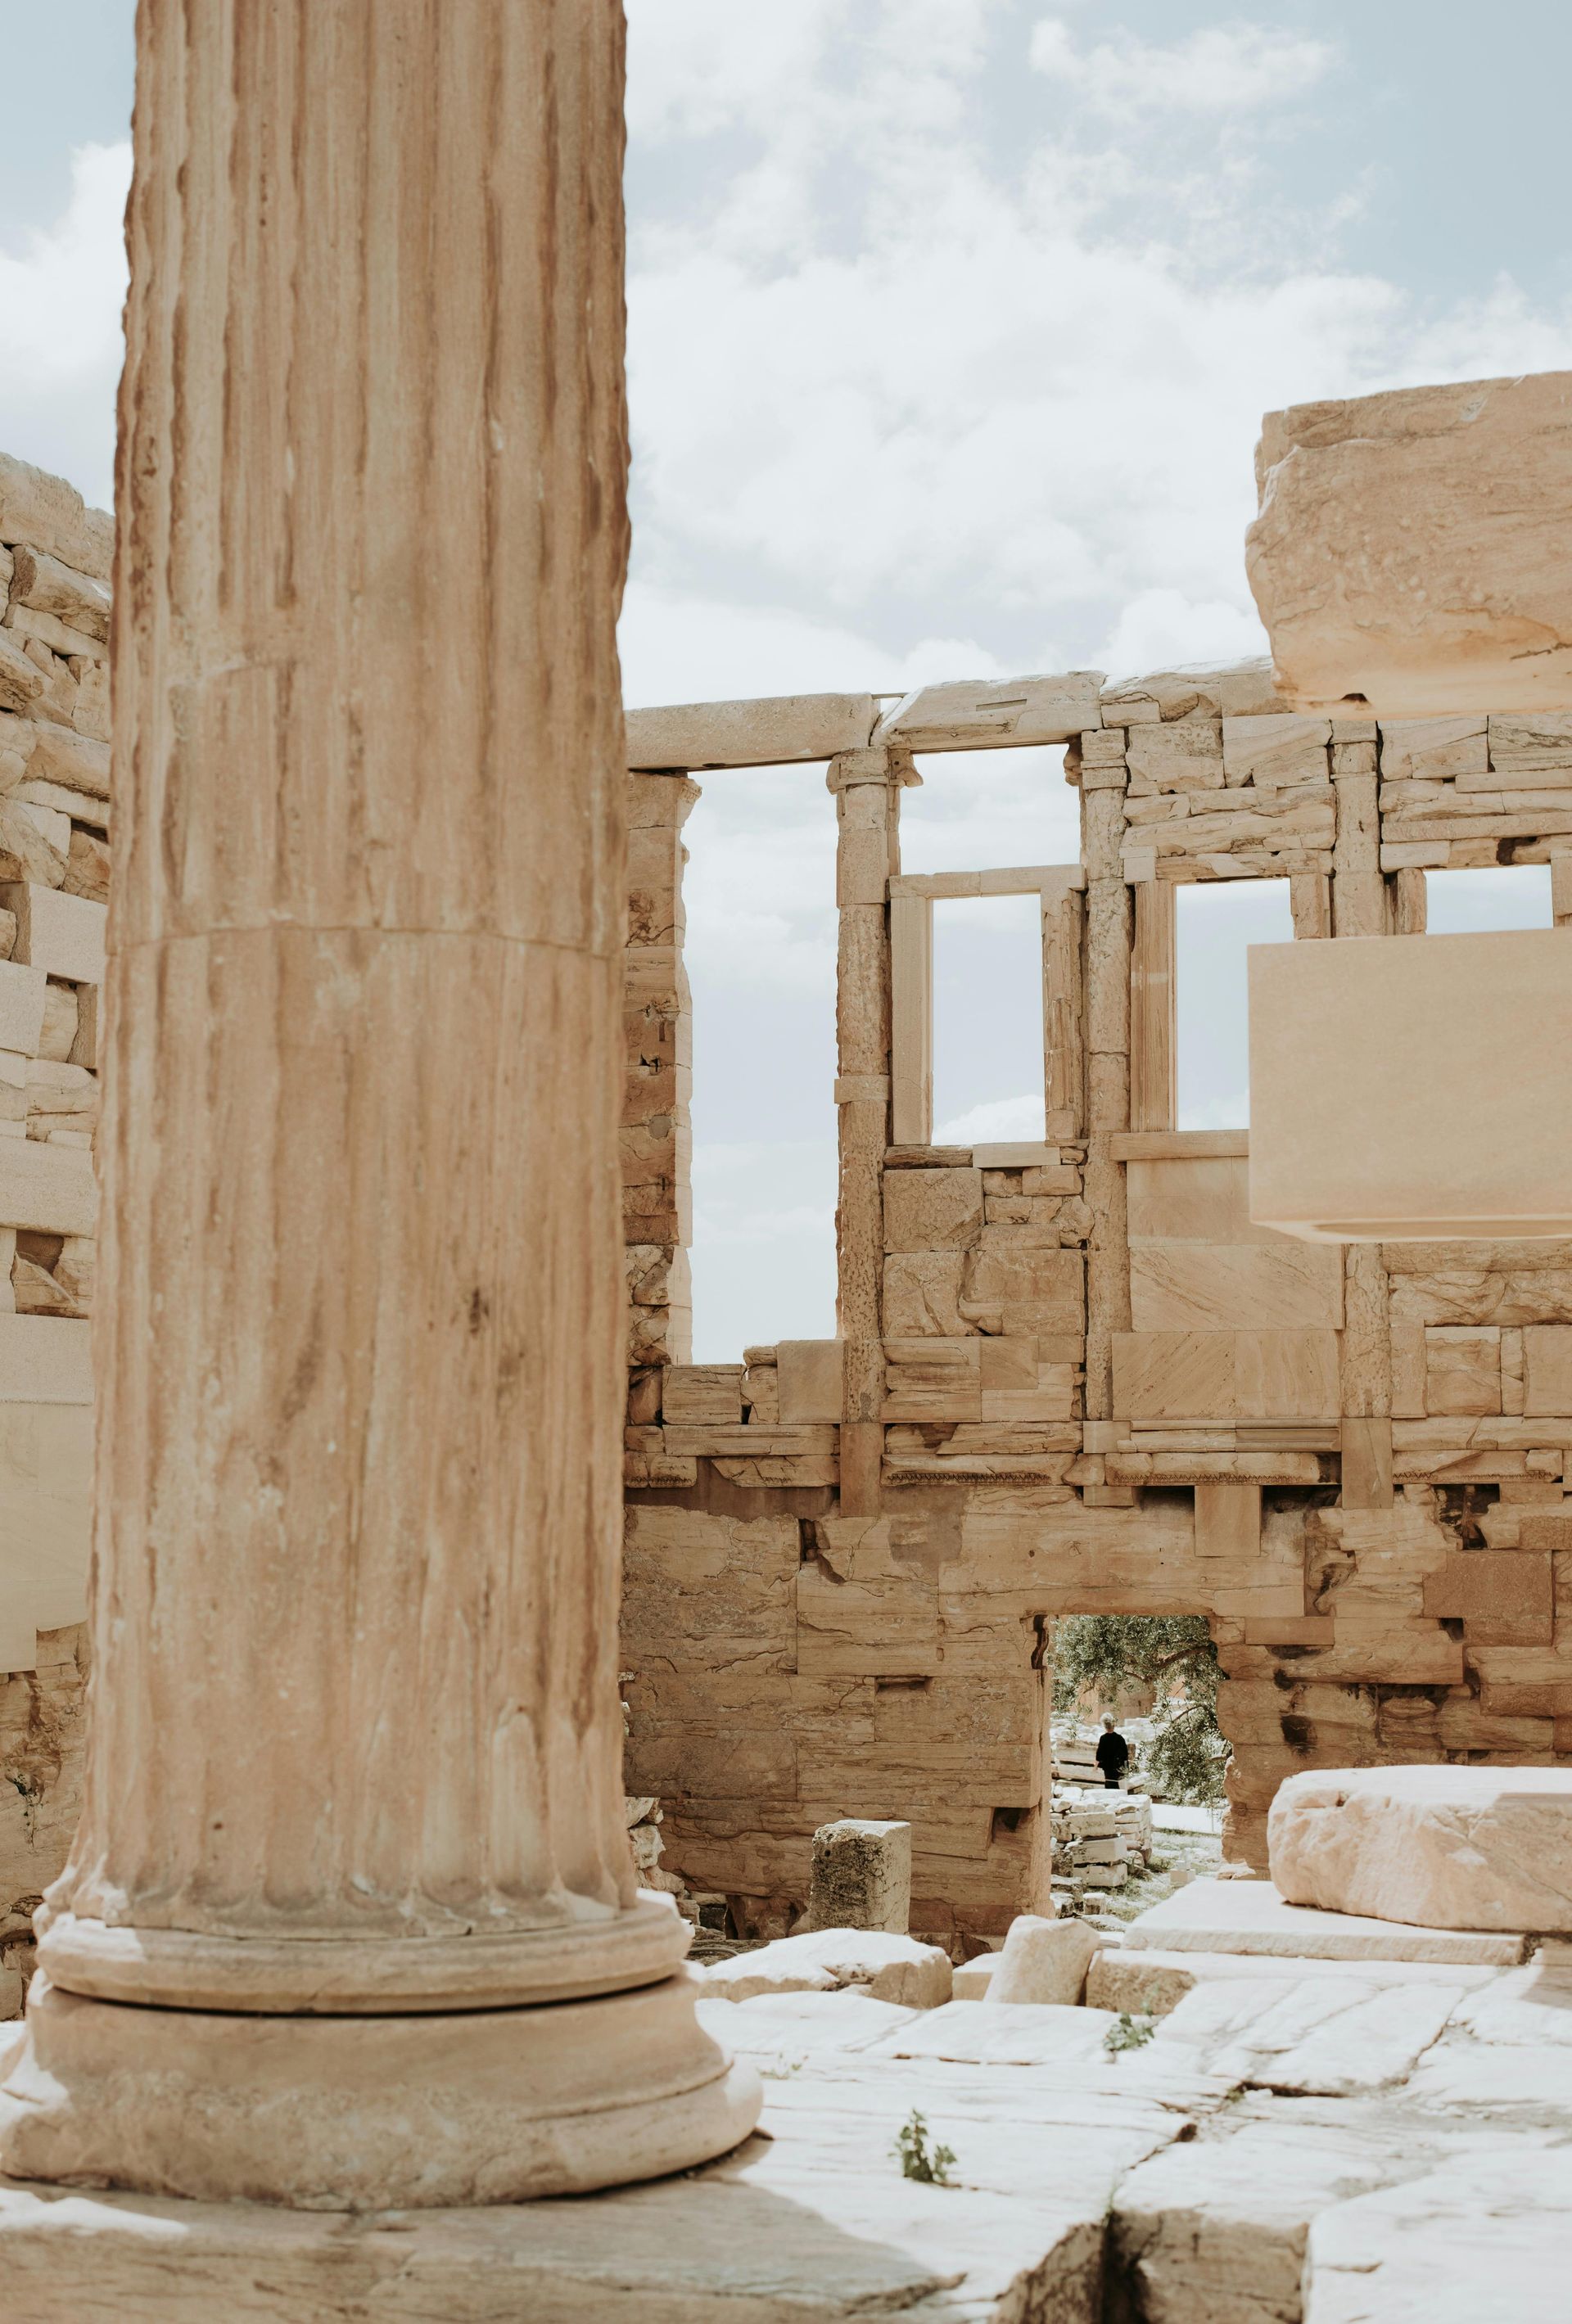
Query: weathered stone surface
pixel 932 1209
pixel 862 1875
pixel 1483 2238
pixel 814 2220
pixel 1455 1847
pixel 1043 1960
pixel 1410 547
pixel 974 1980
pixel 1149 1983
pixel 889 1967
pixel 789 2024
pixel 47 514
pixel 1316 2036
pixel 1213 2230
pixel 1249 1916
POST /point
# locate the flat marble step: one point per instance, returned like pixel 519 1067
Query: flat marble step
pixel 1147 1982
pixel 1249 1916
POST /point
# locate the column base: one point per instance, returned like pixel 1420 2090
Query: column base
pixel 358 2113
pixel 379 1976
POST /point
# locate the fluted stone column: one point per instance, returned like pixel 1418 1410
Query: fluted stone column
pixel 355 1796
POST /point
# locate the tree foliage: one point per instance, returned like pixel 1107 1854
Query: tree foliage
pixel 1108 1653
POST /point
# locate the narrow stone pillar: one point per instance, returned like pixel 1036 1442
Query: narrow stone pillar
pixel 866 788
pixel 355 1796
pixel 1109 942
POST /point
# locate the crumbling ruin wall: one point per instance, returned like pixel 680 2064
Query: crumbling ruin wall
pixel 1102 1390
pixel 55 829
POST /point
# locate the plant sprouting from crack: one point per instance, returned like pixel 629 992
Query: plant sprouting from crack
pixel 916 2159
pixel 1129 2034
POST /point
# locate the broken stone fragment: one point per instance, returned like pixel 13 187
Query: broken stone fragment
pixel 877 1961
pixel 1451 1848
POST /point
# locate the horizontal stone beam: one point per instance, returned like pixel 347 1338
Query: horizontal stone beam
pixel 786 729
pixel 776 729
pixel 995 713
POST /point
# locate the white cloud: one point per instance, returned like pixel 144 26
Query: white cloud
pixel 992 1124
pixel 1219 69
pixel 942 367
pixel 1162 629
pixel 60 296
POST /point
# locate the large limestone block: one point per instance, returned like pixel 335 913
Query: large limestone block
pixel 1212 2230
pixel 874 1961
pixel 932 1209
pixel 1043 1960
pixel 62 935
pixel 1250 1916
pixel 1412 548
pixel 1456 1848
pixel 773 731
pixel 1357 1050
pixel 49 514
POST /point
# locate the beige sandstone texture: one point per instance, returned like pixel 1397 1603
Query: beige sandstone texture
pixel 1077 1376
pixel 1410 551
pixel 1459 1847
pixel 353 1492
pixel 1374 1037
pixel 54 820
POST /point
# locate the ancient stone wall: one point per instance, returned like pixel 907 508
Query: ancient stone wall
pixel 54 830
pixel 1104 1391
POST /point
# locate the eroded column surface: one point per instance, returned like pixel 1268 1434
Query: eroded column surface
pixel 356 1742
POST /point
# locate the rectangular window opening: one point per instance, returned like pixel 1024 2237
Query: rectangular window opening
pixel 1217 922
pixel 1503 896
pixel 987 1020
pixel 980 810
pixel 760 951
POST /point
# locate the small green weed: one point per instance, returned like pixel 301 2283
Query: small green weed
pixel 1130 2033
pixel 916 2159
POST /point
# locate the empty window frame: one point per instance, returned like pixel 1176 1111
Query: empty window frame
pixel 760 953
pixel 1057 890
pixel 987 1020
pixel 1215 923
pixel 1502 896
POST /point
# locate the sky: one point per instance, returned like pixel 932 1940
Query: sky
pixel 951 323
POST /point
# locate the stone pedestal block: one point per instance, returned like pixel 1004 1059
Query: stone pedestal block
pixel 862 1875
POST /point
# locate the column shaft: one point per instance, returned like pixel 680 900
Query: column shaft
pixel 354 1736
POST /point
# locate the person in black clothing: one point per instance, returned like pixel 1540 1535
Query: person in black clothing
pixel 1113 1755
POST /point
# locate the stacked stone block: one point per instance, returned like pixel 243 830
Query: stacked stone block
pixel 54 857
pixel 1105 1391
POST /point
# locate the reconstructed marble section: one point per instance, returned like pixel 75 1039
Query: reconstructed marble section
pixel 1072 1376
